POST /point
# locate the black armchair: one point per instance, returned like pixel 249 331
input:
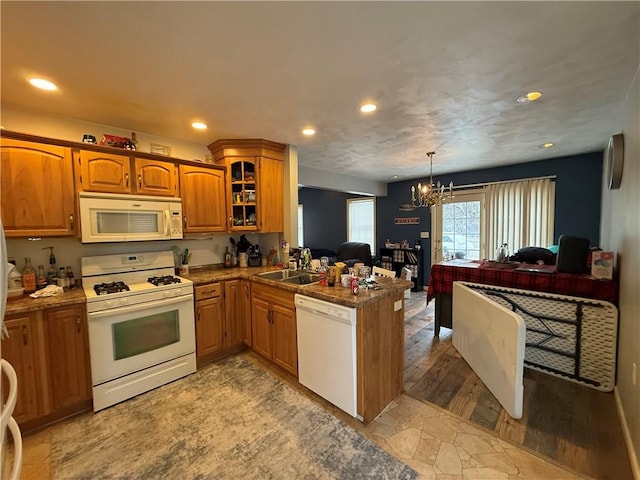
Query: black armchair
pixel 351 253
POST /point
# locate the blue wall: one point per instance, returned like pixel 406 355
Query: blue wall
pixel 577 212
pixel 325 217
pixel 577 209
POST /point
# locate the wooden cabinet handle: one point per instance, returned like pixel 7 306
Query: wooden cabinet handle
pixel 139 181
pixel 126 179
pixel 72 220
pixel 78 324
pixel 25 335
pixel 184 221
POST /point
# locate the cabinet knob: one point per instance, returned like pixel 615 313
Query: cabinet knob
pixel 184 221
pixel 78 324
pixel 72 220
pixel 126 179
pixel 139 181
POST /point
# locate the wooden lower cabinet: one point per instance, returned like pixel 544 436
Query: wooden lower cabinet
pixel 68 355
pixel 49 350
pixel 274 333
pixel 219 314
pixel 245 307
pixel 209 319
pixel 19 349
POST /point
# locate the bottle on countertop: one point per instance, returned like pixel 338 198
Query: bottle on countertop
pixel 41 279
pixel 227 257
pixel 62 278
pixel 52 273
pixel 71 281
pixel 28 276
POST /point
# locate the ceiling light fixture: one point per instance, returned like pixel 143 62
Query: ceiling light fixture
pixel 429 195
pixel 368 108
pixel 529 97
pixel 43 84
pixel 308 132
pixel 199 125
pixel 547 145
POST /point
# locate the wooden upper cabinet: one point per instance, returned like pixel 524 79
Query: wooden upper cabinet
pixel 203 199
pixel 156 178
pixel 270 191
pixel 102 172
pixel 37 189
pixel 254 183
pixel 112 173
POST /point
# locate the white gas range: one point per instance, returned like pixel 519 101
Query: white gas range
pixel 141 324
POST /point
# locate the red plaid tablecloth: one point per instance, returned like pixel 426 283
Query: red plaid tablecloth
pixel 575 285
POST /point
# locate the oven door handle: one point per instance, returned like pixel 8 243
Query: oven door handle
pixel 139 307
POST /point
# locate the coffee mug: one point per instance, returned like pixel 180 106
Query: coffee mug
pixel 345 280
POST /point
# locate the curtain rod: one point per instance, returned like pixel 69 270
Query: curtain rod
pixel 472 185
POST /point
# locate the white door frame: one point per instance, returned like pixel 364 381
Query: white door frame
pixel 436 222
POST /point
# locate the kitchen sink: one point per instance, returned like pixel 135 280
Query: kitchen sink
pixel 298 277
pixel 302 279
pixel 279 274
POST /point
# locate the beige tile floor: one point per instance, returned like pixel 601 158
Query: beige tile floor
pixel 433 442
pixel 441 446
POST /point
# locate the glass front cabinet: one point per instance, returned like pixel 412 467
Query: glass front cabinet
pixel 242 172
pixel 254 183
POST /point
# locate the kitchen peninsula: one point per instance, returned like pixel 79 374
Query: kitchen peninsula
pixel 235 297
pixel 379 330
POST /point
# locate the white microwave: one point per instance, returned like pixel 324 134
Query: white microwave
pixel 108 217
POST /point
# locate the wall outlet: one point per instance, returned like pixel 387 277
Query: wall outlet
pixel 634 372
pixel 424 234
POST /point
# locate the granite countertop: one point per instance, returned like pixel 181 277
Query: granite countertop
pixel 336 294
pixel 27 304
pixel 201 276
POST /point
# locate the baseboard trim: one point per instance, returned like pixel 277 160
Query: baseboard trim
pixel 633 458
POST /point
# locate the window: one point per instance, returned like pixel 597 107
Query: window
pixel 476 222
pixel 300 224
pixel 458 228
pixel 361 221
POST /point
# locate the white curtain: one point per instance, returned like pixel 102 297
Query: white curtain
pixel 520 214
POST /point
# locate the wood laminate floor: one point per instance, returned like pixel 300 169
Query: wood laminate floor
pixel 574 425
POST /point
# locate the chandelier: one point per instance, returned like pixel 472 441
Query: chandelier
pixel 430 194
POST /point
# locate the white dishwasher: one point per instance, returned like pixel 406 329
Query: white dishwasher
pixel 327 351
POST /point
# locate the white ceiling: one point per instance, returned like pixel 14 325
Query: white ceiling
pixel 446 75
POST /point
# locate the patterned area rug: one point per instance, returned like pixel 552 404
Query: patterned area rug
pixel 228 420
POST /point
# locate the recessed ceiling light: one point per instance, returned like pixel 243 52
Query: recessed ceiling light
pixel 529 97
pixel 368 107
pixel 43 84
pixel 547 145
pixel 395 176
pixel 308 131
pixel 199 125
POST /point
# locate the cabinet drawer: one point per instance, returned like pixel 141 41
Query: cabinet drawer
pixel 209 290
